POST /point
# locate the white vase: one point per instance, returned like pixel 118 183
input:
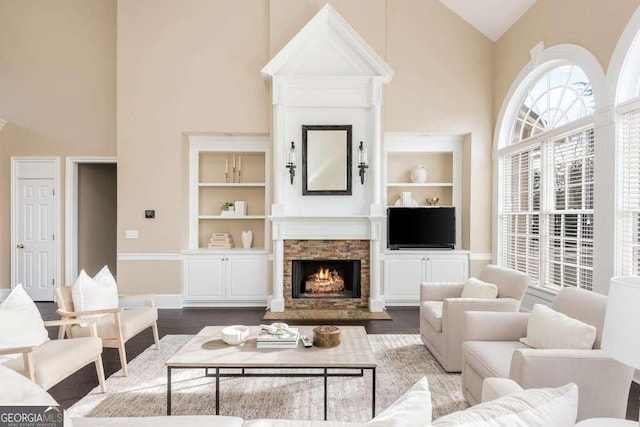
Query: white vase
pixel 247 238
pixel 419 174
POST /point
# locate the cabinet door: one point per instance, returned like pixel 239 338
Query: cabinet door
pixel 402 278
pixel 247 277
pixel 447 268
pixel 204 279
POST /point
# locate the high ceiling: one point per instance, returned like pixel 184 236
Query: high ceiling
pixel 491 17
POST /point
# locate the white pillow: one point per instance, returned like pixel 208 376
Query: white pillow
pixel 476 288
pixel 20 323
pixel 543 407
pixel 550 329
pixel 411 409
pixel 99 293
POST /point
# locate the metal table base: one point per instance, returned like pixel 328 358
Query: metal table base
pixel 325 374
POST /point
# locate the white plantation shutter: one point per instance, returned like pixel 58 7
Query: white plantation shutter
pixel 629 192
pixel 520 177
pixel 570 217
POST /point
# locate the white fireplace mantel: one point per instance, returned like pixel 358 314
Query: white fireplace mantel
pixel 327 74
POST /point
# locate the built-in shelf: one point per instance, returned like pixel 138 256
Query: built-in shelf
pixel 420 184
pixel 231 217
pixel 231 184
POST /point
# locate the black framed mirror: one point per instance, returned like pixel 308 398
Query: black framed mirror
pixel 326 160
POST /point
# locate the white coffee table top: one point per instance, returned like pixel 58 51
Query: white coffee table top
pixel 207 350
pixel 606 422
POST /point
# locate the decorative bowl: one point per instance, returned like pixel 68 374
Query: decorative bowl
pixel 432 201
pixel 234 335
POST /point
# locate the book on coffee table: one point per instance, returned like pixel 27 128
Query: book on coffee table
pixel 286 340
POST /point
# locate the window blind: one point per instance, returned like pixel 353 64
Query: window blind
pixel 569 220
pixel 520 211
pixel 629 192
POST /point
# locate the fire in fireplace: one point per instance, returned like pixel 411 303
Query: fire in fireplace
pixel 326 279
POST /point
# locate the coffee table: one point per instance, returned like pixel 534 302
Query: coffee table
pixel 207 351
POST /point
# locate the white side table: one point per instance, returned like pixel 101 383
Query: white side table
pixel 607 422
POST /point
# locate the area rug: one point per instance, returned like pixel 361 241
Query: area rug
pixel 402 360
pixel 355 314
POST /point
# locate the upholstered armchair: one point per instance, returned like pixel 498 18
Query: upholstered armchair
pixel 115 327
pixel 52 361
pixel 442 311
pixel 492 349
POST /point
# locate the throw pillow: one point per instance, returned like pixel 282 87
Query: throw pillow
pixel 411 409
pixel 544 407
pixel 20 323
pixel 549 329
pixel 476 288
pixel 99 293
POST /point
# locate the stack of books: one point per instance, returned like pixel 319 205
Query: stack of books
pixel 220 241
pixel 286 340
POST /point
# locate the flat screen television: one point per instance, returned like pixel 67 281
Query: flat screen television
pixel 421 227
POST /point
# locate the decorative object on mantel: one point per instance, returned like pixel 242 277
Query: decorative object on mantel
pixel 432 201
pixel 227 209
pixel 419 174
pixel 326 336
pixel 220 241
pixel 247 238
pixel 362 162
pixel 240 207
pixel 291 161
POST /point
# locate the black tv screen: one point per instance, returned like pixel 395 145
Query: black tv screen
pixel 421 227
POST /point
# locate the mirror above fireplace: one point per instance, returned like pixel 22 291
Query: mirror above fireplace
pixel 326 160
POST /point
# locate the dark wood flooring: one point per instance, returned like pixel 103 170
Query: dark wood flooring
pixel 192 320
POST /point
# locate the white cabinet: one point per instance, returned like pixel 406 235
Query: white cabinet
pixel 404 271
pixel 225 278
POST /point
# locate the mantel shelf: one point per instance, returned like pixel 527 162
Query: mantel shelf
pixel 420 184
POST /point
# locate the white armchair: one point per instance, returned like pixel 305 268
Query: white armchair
pixel 115 327
pixel 492 349
pixel 52 361
pixel 442 311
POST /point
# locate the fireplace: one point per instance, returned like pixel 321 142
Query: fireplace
pixel 325 278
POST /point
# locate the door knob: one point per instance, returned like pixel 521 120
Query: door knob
pixel 20 245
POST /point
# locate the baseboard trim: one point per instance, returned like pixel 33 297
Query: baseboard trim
pixel 150 257
pixel 4 293
pixel 160 301
pixel 186 304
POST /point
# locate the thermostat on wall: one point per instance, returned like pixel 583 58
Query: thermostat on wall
pixel 150 213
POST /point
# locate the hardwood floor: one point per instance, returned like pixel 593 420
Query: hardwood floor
pixel 191 320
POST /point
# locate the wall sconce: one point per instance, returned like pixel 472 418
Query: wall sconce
pixel 362 162
pixel 291 162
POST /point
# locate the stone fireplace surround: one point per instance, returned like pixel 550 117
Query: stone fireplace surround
pixel 326 249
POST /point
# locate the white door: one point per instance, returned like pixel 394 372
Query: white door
pixel 35 227
pixel 447 268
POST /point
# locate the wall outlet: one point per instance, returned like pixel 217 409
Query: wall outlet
pixel 131 234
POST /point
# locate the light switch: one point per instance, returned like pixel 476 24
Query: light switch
pixel 131 234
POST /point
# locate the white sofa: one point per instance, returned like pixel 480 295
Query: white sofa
pixel 413 409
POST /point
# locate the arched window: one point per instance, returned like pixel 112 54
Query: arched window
pixel 628 159
pixel 545 176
